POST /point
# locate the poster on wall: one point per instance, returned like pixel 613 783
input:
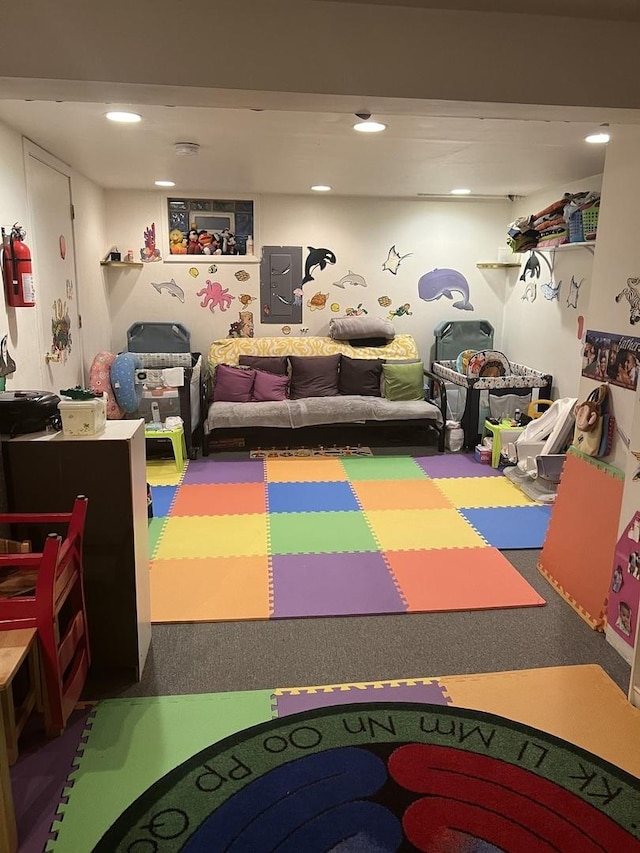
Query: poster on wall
pixel 607 357
pixel 624 593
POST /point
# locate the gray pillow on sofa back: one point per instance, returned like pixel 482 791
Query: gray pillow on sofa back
pixel 314 376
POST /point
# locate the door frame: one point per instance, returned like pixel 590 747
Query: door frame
pixel 31 149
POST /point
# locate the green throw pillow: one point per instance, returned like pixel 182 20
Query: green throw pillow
pixel 403 381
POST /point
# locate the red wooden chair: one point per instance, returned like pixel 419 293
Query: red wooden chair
pixel 57 574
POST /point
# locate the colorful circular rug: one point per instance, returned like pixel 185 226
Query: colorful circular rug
pixel 386 777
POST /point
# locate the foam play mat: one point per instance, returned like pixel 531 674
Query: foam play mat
pixel 423 764
pixel 293 537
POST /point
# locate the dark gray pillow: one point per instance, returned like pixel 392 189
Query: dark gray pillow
pixel 360 376
pixel 270 363
pixel 314 376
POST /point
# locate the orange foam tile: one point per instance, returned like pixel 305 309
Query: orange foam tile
pixel 399 494
pixel 417 529
pixel 210 589
pixel 460 579
pixel 304 470
pixel 220 499
pixel 580 704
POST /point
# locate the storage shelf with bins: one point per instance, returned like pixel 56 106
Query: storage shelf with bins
pixel 121 264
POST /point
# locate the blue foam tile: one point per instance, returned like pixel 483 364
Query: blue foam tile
pixel 162 497
pixel 311 497
pixel 510 526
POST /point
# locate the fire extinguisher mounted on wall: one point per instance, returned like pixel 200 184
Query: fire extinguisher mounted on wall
pixel 17 271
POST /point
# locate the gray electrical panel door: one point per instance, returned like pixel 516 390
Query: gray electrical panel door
pixel 280 275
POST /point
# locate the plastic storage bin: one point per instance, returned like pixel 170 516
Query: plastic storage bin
pixel 483 454
pixel 83 417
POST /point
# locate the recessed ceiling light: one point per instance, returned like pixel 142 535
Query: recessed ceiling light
pixel 321 188
pixel 125 118
pixel 597 138
pixel 369 126
pixel 461 191
pixel 165 183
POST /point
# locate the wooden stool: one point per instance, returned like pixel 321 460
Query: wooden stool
pixel 176 437
pixel 17 647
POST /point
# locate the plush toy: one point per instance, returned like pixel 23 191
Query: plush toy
pixel 177 242
pixel 193 244
pixel 586 415
pixel 210 243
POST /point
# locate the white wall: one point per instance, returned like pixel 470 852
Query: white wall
pixel 21 324
pixel 545 333
pixel 359 232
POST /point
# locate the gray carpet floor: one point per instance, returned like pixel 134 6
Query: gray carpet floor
pixel 225 656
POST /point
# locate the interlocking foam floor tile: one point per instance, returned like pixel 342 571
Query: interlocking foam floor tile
pixel 318 532
pixel 511 526
pixel 460 579
pixel 214 536
pixel 303 470
pixel 163 473
pixel 224 471
pixel 162 498
pixel 402 530
pixel 294 701
pixel 455 465
pixel 311 497
pixel 210 589
pixel 156 526
pixel 133 742
pixel 220 499
pixel 333 584
pixel 394 494
pixel 383 468
pixel 482 491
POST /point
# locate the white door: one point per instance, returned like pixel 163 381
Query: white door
pixel 50 237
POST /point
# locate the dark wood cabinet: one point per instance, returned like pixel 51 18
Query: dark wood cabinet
pixel 43 473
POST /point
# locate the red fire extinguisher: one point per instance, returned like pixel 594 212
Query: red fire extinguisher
pixel 16 269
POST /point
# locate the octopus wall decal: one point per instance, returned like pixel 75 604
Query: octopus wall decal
pixel 215 296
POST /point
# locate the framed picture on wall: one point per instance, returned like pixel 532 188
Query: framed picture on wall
pixel 210 229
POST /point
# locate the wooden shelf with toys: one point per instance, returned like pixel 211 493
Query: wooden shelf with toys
pixel 120 264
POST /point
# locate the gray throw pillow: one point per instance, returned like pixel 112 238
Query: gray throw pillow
pixel 314 376
pixel 360 376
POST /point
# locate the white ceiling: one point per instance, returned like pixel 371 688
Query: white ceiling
pixel 288 150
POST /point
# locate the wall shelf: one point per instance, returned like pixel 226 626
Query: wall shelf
pixel 586 244
pixel 496 265
pixel 120 264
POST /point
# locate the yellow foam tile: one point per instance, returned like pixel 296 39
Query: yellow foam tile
pixel 213 536
pixel 580 704
pixel 304 470
pixel 216 588
pixel 409 530
pixel 482 492
pixel 164 473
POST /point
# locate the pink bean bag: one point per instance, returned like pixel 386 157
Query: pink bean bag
pixel 100 380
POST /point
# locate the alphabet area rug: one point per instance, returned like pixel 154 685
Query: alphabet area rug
pixel 313 452
pixel 276 538
pixel 346 767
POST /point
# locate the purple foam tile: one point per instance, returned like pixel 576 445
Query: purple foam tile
pixel 431 694
pixel 212 471
pixel 455 465
pixel 38 779
pixel 333 585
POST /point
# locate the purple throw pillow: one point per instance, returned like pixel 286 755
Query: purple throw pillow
pixel 233 384
pixel 269 387
pixel 314 376
pixel 271 363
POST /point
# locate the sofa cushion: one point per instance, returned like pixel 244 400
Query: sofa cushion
pixel 403 381
pixel 269 387
pixel 233 384
pixel 270 363
pixel 314 376
pixel 360 376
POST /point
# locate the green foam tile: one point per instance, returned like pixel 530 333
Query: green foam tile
pixel 383 468
pixel 320 533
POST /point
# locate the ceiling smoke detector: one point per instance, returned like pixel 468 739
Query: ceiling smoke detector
pixel 186 149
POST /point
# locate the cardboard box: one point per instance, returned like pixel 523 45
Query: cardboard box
pixel 483 454
pixel 83 417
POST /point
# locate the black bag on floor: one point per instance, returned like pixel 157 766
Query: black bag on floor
pixel 28 411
